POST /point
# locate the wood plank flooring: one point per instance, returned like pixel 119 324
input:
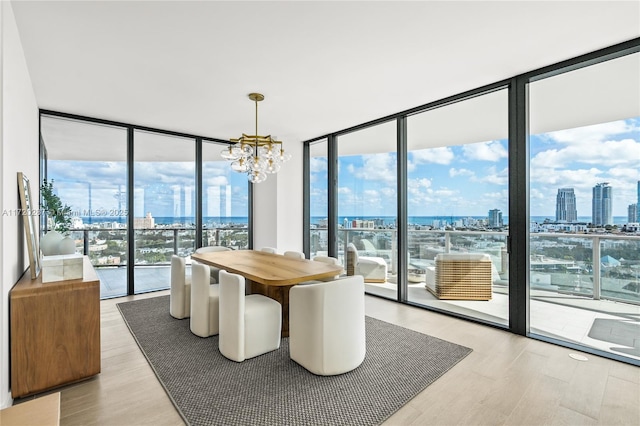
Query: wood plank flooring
pixel 506 380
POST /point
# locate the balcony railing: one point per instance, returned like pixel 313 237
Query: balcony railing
pixel 561 263
pixel 107 247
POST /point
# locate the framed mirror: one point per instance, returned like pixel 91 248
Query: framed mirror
pixel 29 208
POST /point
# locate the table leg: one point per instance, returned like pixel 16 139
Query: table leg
pixel 279 294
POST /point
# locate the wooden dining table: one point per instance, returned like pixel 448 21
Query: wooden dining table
pixel 269 274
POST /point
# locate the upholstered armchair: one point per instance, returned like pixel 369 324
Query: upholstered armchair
pixel 204 302
pixel 249 325
pixel 373 269
pixel 327 325
pixel 180 292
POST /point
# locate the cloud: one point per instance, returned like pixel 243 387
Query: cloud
pixel 484 151
pixel 566 177
pixel 441 155
pixel 376 167
pixel 453 172
pixel 344 190
pixel 592 134
pixel 389 193
pixel 611 153
pixel 495 177
pixel 318 164
pixel 535 193
pixel 216 181
pixel 627 173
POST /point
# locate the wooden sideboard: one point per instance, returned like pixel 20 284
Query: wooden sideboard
pixel 55 332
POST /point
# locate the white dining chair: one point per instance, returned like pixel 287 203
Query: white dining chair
pixel 294 254
pixel 329 260
pixel 180 291
pixel 249 325
pixel 204 302
pixel 327 325
pixel 214 271
pixel 271 250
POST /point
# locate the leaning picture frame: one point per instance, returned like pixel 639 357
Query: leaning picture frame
pixel 28 213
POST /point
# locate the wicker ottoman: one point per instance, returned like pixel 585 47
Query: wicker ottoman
pixel 462 276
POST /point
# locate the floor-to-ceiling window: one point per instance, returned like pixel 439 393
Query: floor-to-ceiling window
pixel 164 205
pixel 318 199
pixel 87 164
pixel 90 160
pixel 541 174
pixel 225 201
pixel 367 204
pixel 457 181
pixel 584 174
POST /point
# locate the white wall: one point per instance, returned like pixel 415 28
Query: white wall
pixel 278 205
pixel 19 153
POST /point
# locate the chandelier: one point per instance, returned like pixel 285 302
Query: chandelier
pixel 255 155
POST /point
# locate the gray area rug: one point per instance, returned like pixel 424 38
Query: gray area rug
pixel 271 389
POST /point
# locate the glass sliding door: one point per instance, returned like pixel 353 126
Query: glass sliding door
pixel 367 205
pixel 164 205
pixel 318 199
pixel 457 195
pixel 584 233
pixel 225 201
pixel 87 164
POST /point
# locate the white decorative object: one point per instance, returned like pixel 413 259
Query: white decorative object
pixel 66 246
pixel 61 267
pixel 49 243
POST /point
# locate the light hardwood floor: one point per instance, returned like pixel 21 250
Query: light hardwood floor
pixel 506 380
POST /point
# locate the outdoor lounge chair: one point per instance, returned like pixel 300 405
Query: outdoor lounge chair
pixel 373 269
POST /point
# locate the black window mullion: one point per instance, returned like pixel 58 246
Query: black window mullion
pixel 401 222
pixel 518 239
pixel 306 199
pixel 199 192
pixel 332 190
pixel 131 235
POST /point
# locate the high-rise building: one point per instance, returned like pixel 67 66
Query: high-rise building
pixel 566 210
pixel 633 213
pixel 602 205
pixel 638 204
pixel 495 218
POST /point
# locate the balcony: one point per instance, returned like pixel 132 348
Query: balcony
pixel 572 298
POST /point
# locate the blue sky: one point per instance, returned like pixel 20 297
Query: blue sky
pixel 472 179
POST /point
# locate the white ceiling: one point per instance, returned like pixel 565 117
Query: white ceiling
pixel 322 66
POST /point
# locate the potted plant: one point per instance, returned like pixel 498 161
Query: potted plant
pixel 56 240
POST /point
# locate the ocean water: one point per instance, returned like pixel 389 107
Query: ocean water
pixel 387 221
